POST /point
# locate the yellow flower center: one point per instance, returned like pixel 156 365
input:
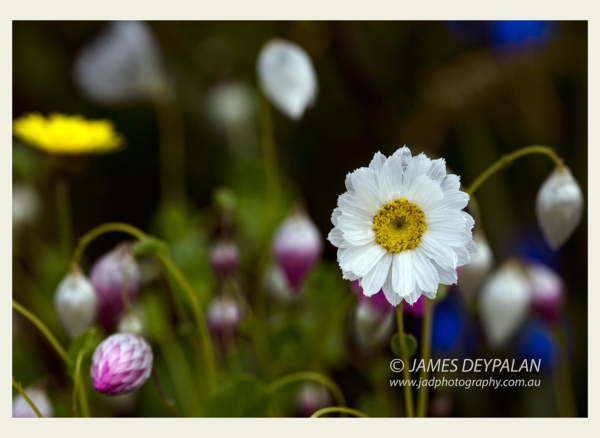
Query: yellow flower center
pixel 399 225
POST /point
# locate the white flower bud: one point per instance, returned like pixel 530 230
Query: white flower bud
pixel 372 327
pixel 122 65
pixel 287 77
pixel 130 323
pixel 21 409
pixel 471 275
pixel 559 206
pixel 76 303
pixel 504 303
pixel 25 205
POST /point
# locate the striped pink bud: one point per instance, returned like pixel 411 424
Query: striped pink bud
pixel 121 364
pixel 108 276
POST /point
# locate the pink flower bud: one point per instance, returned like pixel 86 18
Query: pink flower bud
pixel 224 316
pixel 297 247
pixel 76 303
pixel 21 409
pixel 224 258
pixel 108 276
pixel 121 364
pixel 559 205
pixel 547 292
pixel 310 398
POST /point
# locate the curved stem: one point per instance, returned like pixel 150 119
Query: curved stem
pixel 78 388
pixel 408 396
pixel 45 331
pixel 425 355
pixel 506 160
pixel 350 411
pixel 163 395
pixel 314 376
pixel 200 320
pixel 103 229
pixel 20 390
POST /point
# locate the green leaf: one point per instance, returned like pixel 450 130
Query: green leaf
pixel 410 343
pixel 150 245
pixel 242 396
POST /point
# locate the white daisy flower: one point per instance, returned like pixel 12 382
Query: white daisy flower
pixel 400 227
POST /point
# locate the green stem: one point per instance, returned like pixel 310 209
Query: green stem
pixel 163 395
pixel 563 385
pixel 350 411
pixel 200 320
pixel 408 396
pixel 78 387
pixel 102 229
pixel 310 375
pixel 63 209
pixel 507 160
pixel 20 390
pixel 42 327
pixel 425 355
pixel 172 150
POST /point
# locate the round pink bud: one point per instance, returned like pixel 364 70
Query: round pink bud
pixel 21 409
pixel 121 364
pixel 109 275
pixel 310 398
pixel 224 257
pixel 547 292
pixel 297 247
pixel 224 316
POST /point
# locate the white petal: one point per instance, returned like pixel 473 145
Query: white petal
pixel 390 179
pixel 336 237
pixel 425 193
pixel 426 275
pixel 451 182
pixel 349 204
pixel 337 212
pixel 389 292
pixel 402 273
pixel 377 162
pixel 438 170
pixel 418 166
pixel 373 281
pixel 361 259
pixel 447 276
pixel 359 237
pixel 367 189
pixel 442 254
pixel 455 200
pixel 463 255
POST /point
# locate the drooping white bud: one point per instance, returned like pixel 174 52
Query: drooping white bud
pixel 471 275
pixel 21 409
pixel 559 206
pixel 76 303
pixel 231 104
pixel 547 292
pixel 287 77
pixel 121 66
pixel 130 323
pixel 372 327
pixel 504 303
pixel 310 398
pixel 297 246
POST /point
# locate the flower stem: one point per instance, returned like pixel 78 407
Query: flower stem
pixel 200 320
pixel 423 394
pixel 408 397
pixel 102 229
pixel 172 150
pixel 350 411
pixel 163 395
pixel 78 387
pixel 20 390
pixel 563 386
pixel 507 160
pixel 45 331
pixel 63 209
pixel 314 376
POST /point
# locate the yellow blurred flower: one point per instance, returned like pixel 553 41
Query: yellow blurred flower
pixel 62 134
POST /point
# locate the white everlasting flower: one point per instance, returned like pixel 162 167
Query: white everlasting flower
pixel 122 65
pixel 21 409
pixel 472 275
pixel 287 77
pixel 559 205
pixel 400 227
pixel 504 303
pixel 76 303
